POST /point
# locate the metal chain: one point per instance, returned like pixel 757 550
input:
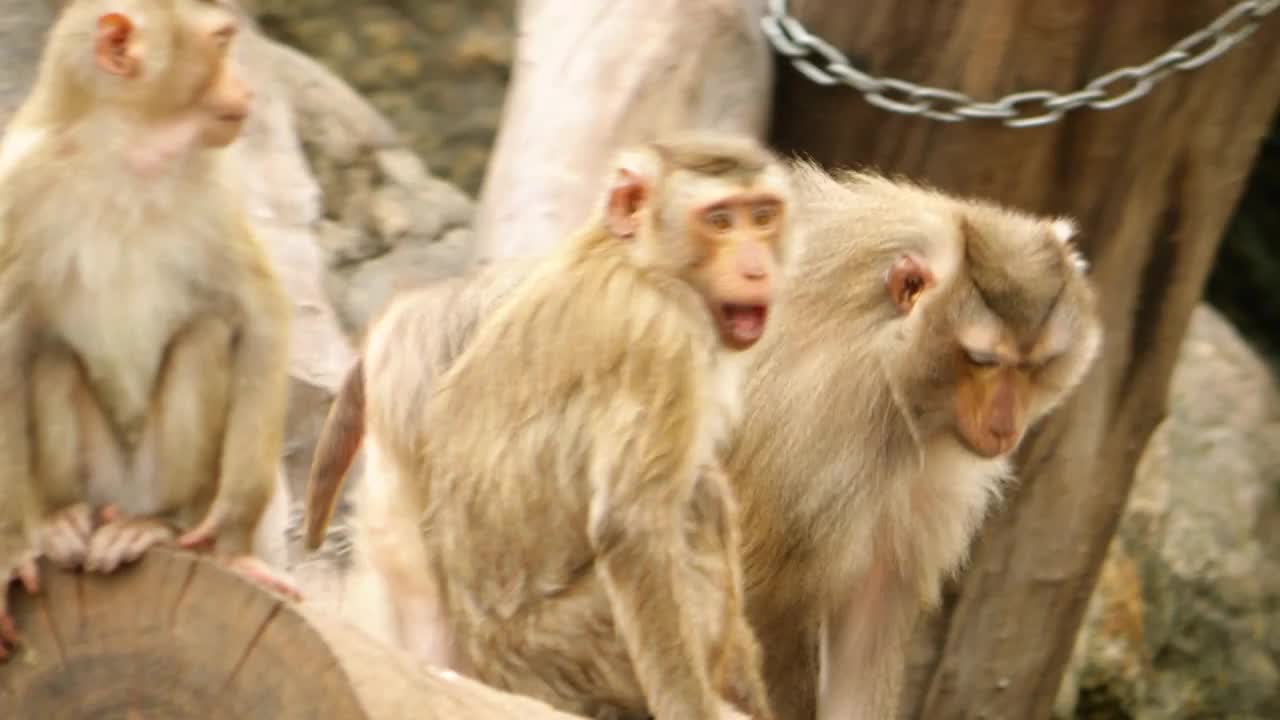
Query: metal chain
pixel 1022 109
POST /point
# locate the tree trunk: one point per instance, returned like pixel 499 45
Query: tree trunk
pixel 593 76
pixel 1153 183
pixel 176 636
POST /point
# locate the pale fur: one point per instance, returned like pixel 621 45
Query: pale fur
pixel 825 466
pixel 857 513
pixel 512 533
pixel 118 240
pixel 433 321
pixel 469 424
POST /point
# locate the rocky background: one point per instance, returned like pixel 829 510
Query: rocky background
pixel 436 69
pixel 1185 620
pixel 370 138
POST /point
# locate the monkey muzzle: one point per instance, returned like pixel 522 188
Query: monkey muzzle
pixel 741 325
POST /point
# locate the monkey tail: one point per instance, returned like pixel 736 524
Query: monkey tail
pixel 339 441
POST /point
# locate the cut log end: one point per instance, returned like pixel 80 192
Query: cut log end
pixel 174 636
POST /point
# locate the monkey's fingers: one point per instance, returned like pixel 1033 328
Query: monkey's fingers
pixel 79 519
pixel 258 572
pixel 102 555
pixel 204 533
pixel 110 513
pixel 8 631
pixel 65 538
pixel 28 574
pixel 148 535
pixel 123 542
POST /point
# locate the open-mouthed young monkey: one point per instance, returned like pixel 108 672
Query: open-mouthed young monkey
pixel 920 337
pixel 143 334
pixel 560 490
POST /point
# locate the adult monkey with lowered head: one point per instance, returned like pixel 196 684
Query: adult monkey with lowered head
pixel 573 536
pixel 919 338
pixel 143 333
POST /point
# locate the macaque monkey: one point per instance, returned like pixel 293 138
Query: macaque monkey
pixel 550 513
pixel 918 339
pixel 915 340
pixel 143 333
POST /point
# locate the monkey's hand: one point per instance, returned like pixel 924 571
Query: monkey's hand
pixel 256 571
pixel 122 540
pixel 205 536
pixel 225 532
pixel 728 712
pixel 19 566
pixel 63 537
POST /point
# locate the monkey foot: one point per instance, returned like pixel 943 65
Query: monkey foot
pixel 64 536
pixel 26 572
pixel 123 541
pixel 258 572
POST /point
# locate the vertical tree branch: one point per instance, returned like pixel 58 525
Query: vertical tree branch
pixel 593 75
pixel 1153 183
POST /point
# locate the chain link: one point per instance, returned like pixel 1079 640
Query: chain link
pixel 824 64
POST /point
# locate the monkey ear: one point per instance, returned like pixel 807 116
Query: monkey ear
pixel 627 195
pixel 907 279
pixel 114 51
pixel 1064 230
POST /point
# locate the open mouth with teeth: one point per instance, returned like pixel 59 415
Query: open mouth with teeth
pixel 741 325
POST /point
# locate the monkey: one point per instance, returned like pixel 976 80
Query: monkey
pixel 413 339
pixel 435 320
pixel 919 337
pixel 144 335
pixel 570 534
pixel 869 453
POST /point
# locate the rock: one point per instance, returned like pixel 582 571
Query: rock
pixel 1185 620
pixel 363 289
pixel 22 26
pixel 438 70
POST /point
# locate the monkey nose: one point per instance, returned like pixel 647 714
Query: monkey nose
pixel 1003 440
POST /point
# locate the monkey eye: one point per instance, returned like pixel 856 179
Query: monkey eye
pixel 224 34
pixel 981 359
pixel 718 218
pixel 763 214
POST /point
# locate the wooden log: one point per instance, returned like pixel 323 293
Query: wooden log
pixel 1153 183
pixel 592 76
pixel 176 636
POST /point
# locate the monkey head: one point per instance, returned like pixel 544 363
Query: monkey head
pixel 162 62
pixel 712 210
pixel 1003 333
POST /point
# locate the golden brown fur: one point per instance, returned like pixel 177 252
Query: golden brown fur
pixel 143 333
pixel 595 568
pixel 854 516
pixel 853 512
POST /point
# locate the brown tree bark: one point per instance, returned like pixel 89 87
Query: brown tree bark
pixel 1153 183
pixel 176 636
pixel 593 76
